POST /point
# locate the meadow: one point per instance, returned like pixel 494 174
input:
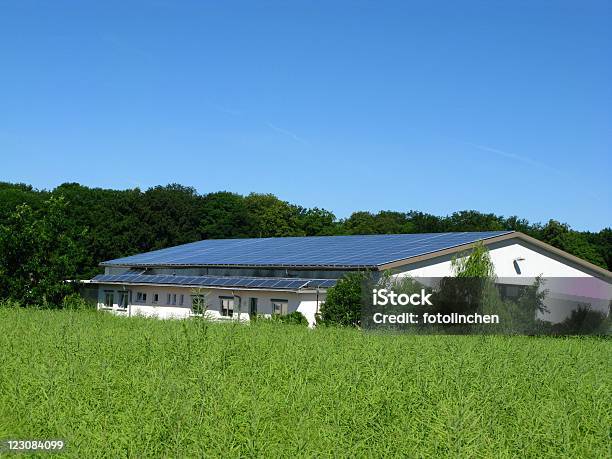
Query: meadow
pixel 117 387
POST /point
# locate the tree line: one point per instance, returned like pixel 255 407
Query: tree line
pixel 48 235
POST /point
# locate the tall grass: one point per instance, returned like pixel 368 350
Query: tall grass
pixel 139 387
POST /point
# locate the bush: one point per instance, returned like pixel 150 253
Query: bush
pixel 342 305
pixel 10 304
pixel 295 318
pixel 584 321
pixel 76 301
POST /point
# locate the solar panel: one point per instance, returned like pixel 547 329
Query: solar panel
pixel 215 281
pixel 322 283
pixel 321 251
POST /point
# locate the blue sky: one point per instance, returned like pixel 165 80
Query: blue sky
pixel 497 106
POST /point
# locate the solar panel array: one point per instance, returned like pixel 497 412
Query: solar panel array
pixel 216 281
pixel 321 251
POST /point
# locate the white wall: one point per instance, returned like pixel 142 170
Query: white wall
pixel 310 304
pixel 306 303
pixel 536 262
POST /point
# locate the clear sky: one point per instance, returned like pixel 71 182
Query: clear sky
pixel 498 106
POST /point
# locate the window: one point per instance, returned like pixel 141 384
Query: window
pixel 280 307
pixel 155 297
pixel 510 291
pixel 227 306
pixel 182 300
pixel 168 299
pixel 123 300
pixel 174 298
pixel 141 297
pixel 109 299
pixel 253 306
pixel 198 304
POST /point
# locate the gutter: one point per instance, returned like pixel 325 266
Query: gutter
pixel 211 287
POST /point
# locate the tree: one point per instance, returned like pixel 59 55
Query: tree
pixel 224 216
pixel 12 195
pixel 474 264
pixel 360 223
pixel 268 216
pixel 172 214
pixel 38 253
pixel 559 235
pixel 317 222
pixel 471 220
pixel 342 304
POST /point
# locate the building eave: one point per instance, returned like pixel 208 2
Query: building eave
pixel 204 287
pixel 248 266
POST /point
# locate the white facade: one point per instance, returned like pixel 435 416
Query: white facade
pixel 512 258
pixel 175 302
pixel 517 262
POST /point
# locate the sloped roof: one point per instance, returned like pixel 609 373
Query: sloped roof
pixel 327 252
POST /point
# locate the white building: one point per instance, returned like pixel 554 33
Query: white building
pixel 239 277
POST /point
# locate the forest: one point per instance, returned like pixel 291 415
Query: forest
pixel 50 235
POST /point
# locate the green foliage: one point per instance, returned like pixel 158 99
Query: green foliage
pixel 74 301
pixel 518 316
pixel 38 253
pixel 317 222
pixel 201 302
pixel 294 318
pixel 224 216
pixel 585 320
pixel 474 264
pixel 268 216
pixel 343 302
pixel 385 222
pixel 117 387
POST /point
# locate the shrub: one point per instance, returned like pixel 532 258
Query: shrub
pixel 584 321
pixel 474 264
pixel 76 301
pixel 295 318
pixel 342 305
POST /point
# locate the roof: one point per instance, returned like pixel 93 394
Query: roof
pixel 327 252
pixel 268 283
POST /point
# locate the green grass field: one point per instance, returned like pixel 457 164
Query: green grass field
pixel 119 387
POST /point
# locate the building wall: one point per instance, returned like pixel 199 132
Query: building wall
pixel 306 303
pixel 537 262
pixel 517 262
